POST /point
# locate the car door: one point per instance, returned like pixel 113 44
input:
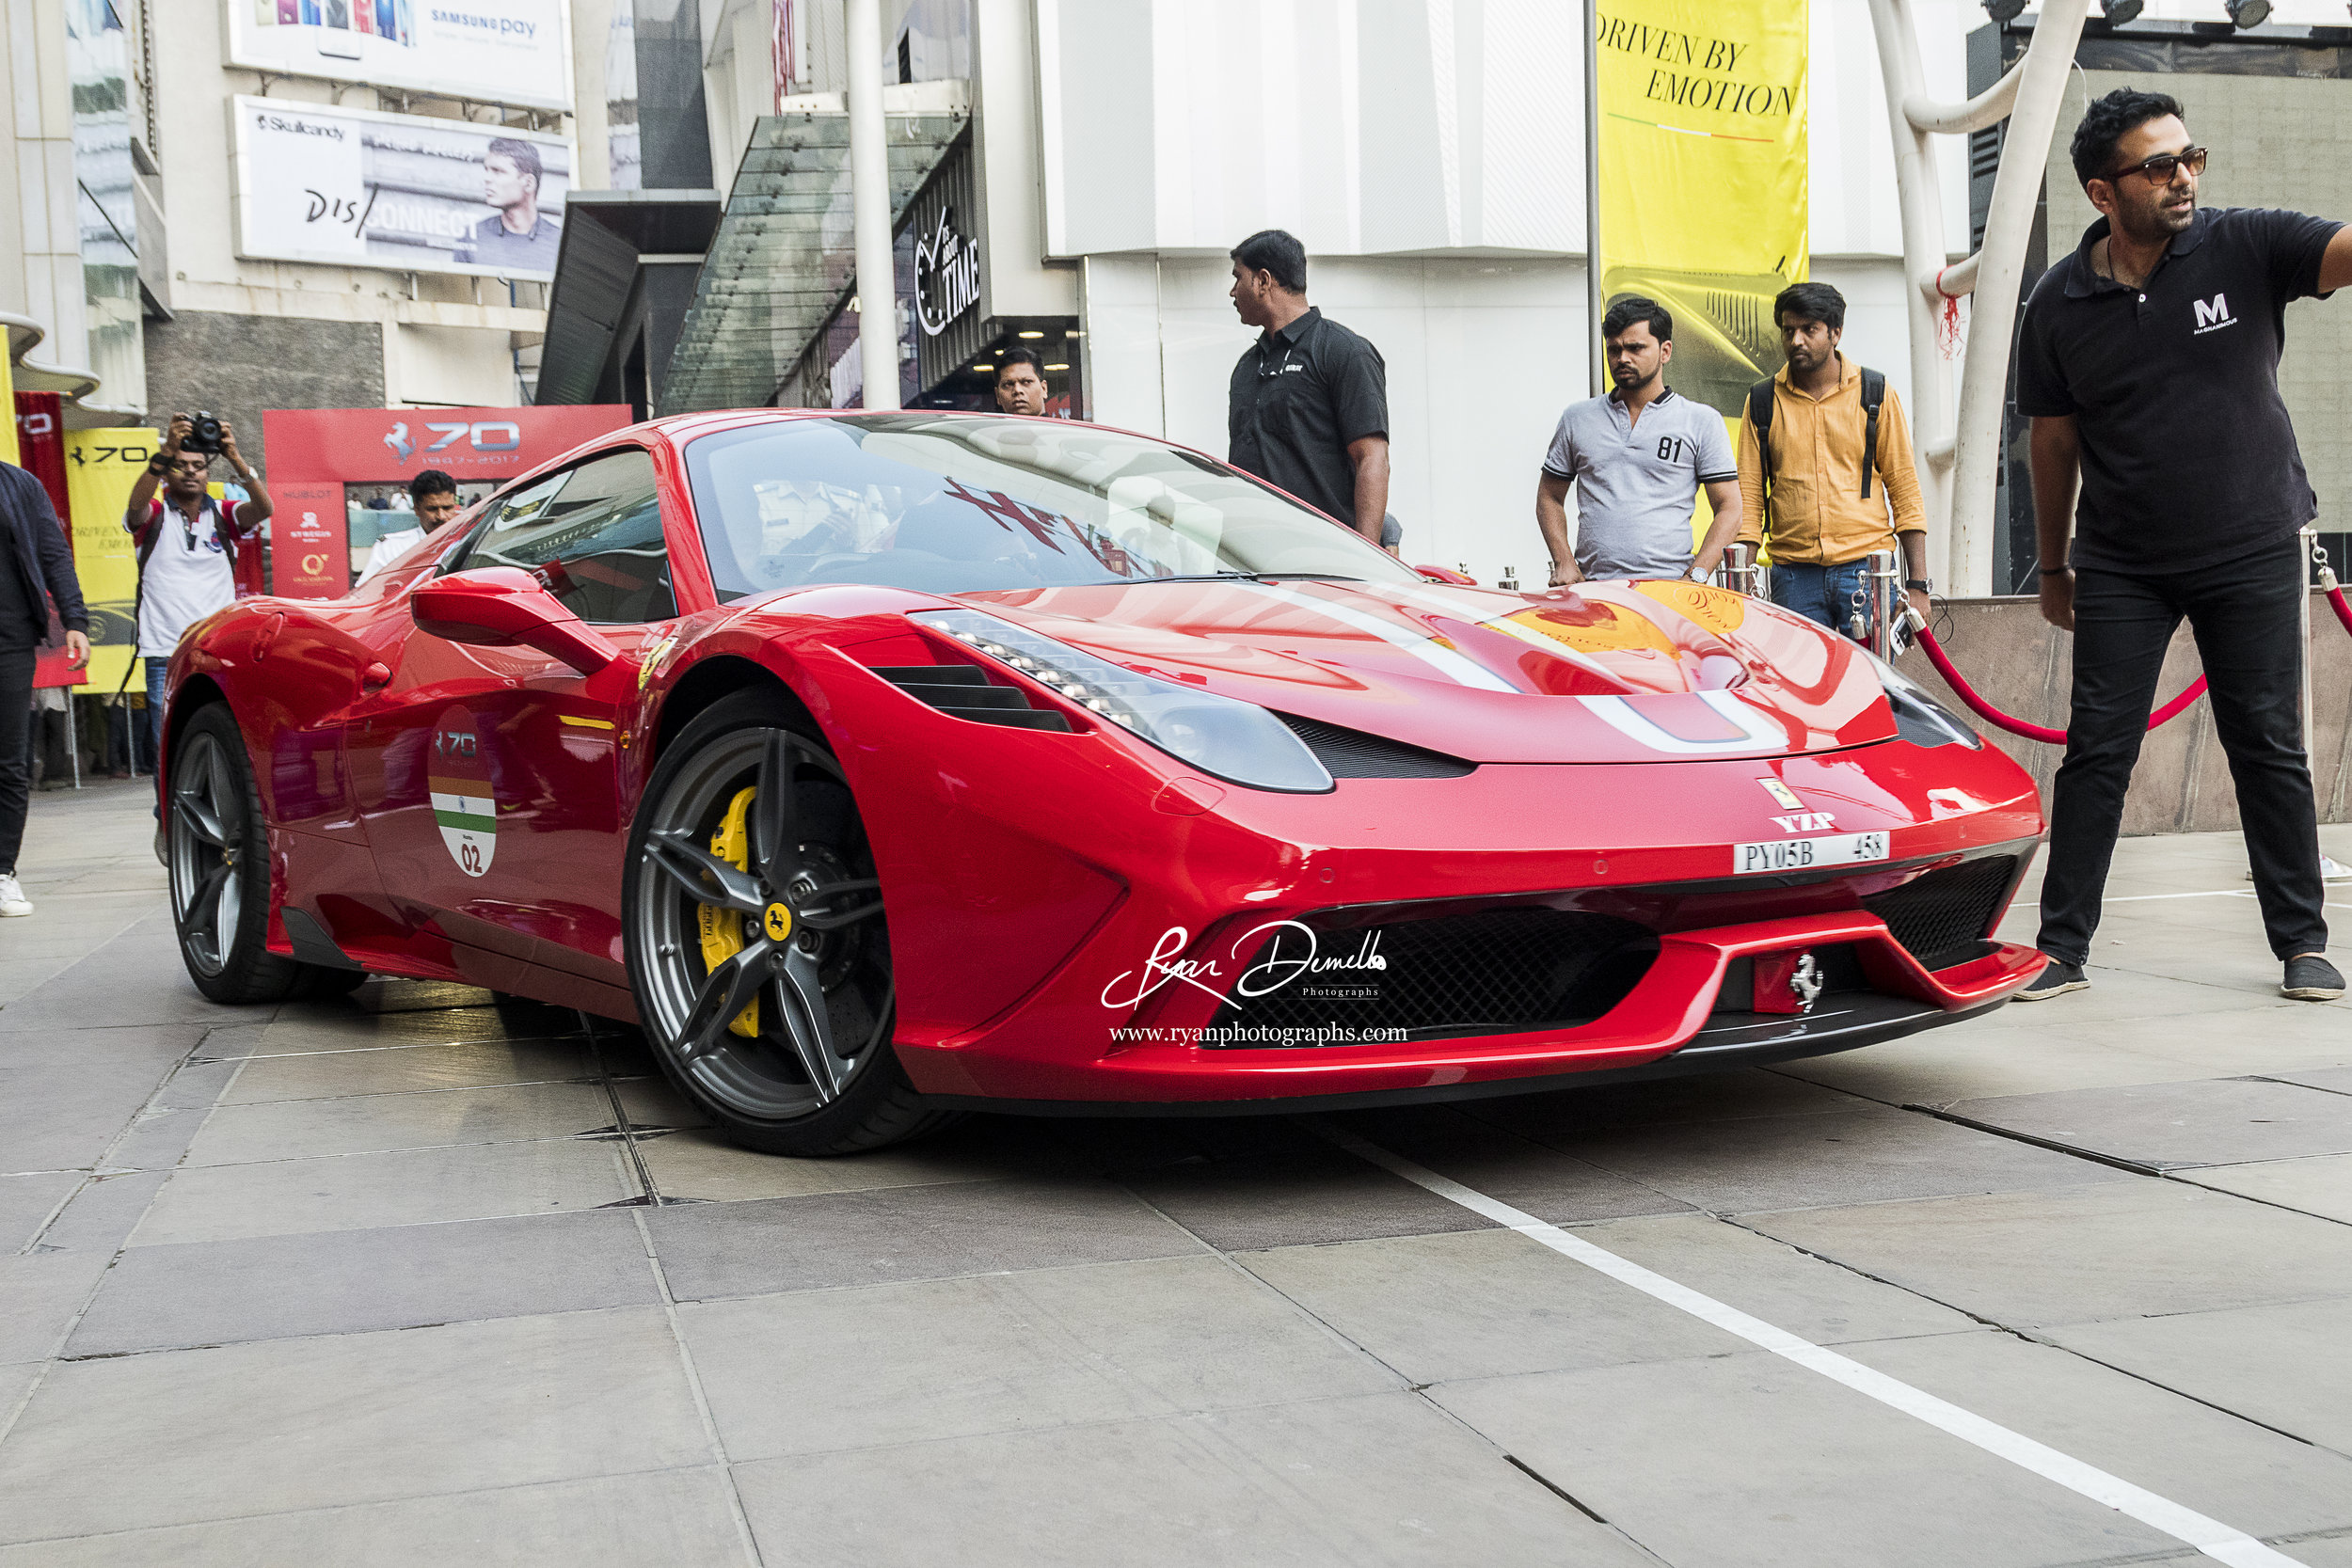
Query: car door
pixel 497 769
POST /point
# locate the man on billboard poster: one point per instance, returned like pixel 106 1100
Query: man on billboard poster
pixel 518 237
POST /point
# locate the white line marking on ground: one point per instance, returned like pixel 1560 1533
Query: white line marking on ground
pixel 2213 1537
pixel 2152 897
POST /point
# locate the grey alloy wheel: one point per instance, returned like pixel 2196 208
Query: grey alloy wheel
pixel 763 973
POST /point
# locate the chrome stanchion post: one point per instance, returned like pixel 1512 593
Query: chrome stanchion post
pixel 1739 570
pixel 1873 619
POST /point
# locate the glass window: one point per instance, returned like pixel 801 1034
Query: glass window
pixel 951 504
pixel 593 534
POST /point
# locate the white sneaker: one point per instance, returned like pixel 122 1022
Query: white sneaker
pixel 12 901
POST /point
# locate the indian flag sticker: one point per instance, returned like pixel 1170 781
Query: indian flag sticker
pixel 463 805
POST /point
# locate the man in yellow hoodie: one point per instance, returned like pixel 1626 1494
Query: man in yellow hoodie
pixel 1806 485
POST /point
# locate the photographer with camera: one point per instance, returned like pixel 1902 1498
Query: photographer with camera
pixel 187 543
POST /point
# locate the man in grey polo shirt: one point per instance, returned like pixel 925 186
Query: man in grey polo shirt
pixel 1637 458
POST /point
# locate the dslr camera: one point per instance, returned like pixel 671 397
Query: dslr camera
pixel 203 435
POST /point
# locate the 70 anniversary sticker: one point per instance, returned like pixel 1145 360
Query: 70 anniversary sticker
pixel 464 806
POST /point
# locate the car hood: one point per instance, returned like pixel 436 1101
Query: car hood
pixel 1612 671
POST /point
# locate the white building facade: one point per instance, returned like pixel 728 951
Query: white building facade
pixel 1428 152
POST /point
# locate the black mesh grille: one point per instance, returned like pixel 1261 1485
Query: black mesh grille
pixel 1347 753
pixel 1941 918
pixel 1489 972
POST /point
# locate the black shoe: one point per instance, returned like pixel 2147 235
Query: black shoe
pixel 2057 980
pixel 2312 978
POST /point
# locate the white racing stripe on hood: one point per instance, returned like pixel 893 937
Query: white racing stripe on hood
pixel 1754 728
pixel 1476 615
pixel 1456 667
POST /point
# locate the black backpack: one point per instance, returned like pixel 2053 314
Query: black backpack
pixel 1761 421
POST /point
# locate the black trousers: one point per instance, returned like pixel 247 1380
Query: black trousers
pixel 16 757
pixel 2246 619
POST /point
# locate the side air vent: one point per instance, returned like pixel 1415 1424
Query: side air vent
pixel 1352 754
pixel 964 691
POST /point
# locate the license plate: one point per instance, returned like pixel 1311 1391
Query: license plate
pixel 1804 854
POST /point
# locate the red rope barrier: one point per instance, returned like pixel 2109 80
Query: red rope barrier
pixel 2344 610
pixel 1993 716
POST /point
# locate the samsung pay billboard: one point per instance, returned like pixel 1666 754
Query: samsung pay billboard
pixel 494 50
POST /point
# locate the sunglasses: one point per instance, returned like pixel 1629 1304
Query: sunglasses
pixel 2159 170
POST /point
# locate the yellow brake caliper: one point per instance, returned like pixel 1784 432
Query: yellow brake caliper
pixel 722 929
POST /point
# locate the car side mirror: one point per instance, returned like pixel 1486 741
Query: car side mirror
pixel 502 606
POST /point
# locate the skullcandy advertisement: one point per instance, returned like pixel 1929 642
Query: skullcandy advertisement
pixel 352 187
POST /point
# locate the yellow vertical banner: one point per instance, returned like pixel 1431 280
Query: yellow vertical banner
pixel 8 452
pixel 1702 177
pixel 101 465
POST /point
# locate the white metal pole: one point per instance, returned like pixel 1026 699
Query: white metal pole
pixel 869 192
pixel 2000 272
pixel 1597 372
pixel 1920 200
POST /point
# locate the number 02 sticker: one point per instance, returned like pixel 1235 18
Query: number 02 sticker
pixel 464 805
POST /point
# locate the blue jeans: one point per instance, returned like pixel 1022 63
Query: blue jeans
pixel 1820 593
pixel 151 724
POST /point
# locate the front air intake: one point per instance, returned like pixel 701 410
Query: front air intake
pixel 1347 753
pixel 964 691
pixel 1943 917
pixel 1496 971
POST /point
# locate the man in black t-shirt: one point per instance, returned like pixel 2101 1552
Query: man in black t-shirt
pixel 2148 363
pixel 1308 409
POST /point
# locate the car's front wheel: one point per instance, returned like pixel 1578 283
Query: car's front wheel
pixel 216 849
pixel 757 946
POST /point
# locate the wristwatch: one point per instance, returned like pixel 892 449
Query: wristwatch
pixel 1919 585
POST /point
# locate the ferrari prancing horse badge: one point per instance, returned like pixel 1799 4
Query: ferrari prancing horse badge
pixel 462 804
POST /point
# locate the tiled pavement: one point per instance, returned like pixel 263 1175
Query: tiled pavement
pixel 417 1279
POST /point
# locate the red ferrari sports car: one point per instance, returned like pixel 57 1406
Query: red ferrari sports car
pixel 884 766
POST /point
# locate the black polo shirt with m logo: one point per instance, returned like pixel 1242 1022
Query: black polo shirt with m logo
pixel 2189 457
pixel 1298 397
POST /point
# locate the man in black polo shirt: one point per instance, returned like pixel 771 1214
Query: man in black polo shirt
pixel 2148 362
pixel 1309 407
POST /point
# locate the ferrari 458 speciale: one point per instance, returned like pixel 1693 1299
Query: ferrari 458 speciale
pixel 887 766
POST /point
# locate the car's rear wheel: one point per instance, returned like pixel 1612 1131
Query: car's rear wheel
pixel 216 849
pixel 757 946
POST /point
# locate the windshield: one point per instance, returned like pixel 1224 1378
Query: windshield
pixel 949 503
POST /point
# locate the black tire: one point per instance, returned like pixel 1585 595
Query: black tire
pixel 818 1076
pixel 216 851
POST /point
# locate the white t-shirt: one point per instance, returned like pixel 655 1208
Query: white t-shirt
pixel 187 576
pixel 389 549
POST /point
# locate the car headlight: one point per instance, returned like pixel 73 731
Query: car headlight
pixel 1239 742
pixel 1919 717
